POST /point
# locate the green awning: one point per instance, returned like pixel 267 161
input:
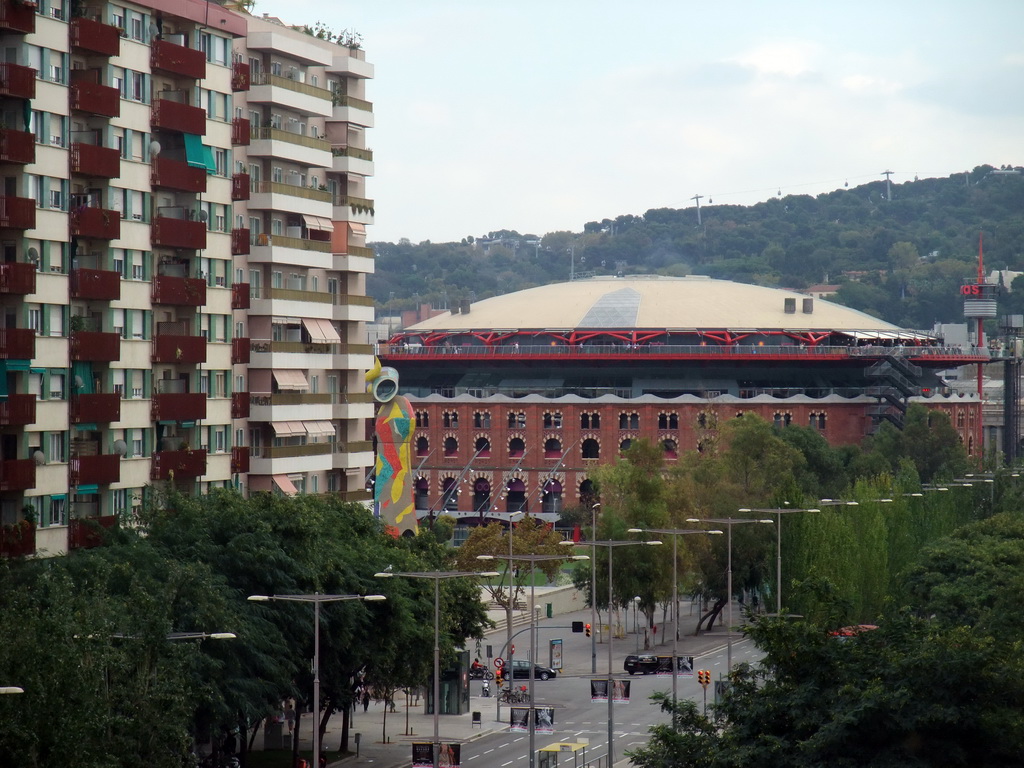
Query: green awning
pixel 86 427
pixel 197 154
pixel 3 379
pixel 58 495
pixel 17 365
pixel 87 490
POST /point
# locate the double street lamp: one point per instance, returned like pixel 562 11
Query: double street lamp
pixel 532 559
pixel 316 599
pixel 728 522
pixel 675 533
pixel 778 512
pixel 437 577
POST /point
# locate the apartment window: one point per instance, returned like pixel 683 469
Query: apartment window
pixel 239 437
pixel 137 28
pixel 56 73
pixel 219 441
pixel 55 445
pixel 220 157
pixel 137 444
pixel 276 174
pixel 314 384
pixel 119 501
pixel 137 88
pixel 314 483
pixel 35 319
pixel 56 389
pixel 57 199
pixel 58 510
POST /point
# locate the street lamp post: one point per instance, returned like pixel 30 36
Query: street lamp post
pixel 593 596
pixel 532 559
pixel 316 599
pixel 778 545
pixel 728 522
pixel 676 533
pixel 611 594
pixel 436 577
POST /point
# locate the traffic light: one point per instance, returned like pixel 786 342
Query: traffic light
pixel 587 629
pixel 704 677
pixel 499 676
pixel 577 627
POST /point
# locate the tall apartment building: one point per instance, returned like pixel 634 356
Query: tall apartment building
pixel 183 261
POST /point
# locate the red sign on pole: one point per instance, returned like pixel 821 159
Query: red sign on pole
pixel 499 662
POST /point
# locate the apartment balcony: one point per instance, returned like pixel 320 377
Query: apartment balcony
pixel 290 145
pixel 239 460
pixel 179 291
pixel 91 160
pixel 17 81
pixel 178 233
pixel 241 297
pixel 19 410
pixel 240 239
pixel 177 59
pixel 18 16
pixel 294 451
pixel 98 223
pixel 179 406
pixel 98 407
pixel 167 464
pixel 190 350
pixel 95 284
pixel 17 213
pixel 240 186
pixel 87 532
pixel 17 147
pixel 349 109
pixel 240 350
pixel 96 99
pixel 291 93
pixel 17 475
pixel 241 132
pixel 240 76
pixel 18 539
pixel 17 343
pixel 95 36
pixel 240 404
pixel 17 279
pixel 95 347
pixel 103 469
pixel 175 116
pixel 174 174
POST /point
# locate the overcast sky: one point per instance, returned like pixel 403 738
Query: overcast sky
pixel 542 115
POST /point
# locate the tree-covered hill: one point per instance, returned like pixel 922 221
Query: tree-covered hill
pixel 900 259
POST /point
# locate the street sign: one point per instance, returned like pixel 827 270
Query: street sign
pixel 499 662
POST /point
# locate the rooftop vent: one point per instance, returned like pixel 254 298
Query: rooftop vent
pixel 808 306
pixel 790 306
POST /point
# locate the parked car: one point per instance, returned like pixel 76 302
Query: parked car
pixel 644 663
pixel 521 668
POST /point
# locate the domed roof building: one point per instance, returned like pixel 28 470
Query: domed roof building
pixel 518 396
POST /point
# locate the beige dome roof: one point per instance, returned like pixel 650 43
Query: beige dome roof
pixel 652 302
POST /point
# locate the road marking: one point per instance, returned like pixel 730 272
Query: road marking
pixel 487 752
pixel 502 746
pixel 473 757
pixel 508 763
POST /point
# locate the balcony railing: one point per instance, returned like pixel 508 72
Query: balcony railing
pixel 240 247
pixel 87 96
pixel 178 233
pixel 278 134
pixel 17 474
pixel 174 174
pixel 95 346
pixel 17 213
pixel 167 464
pixel 239 460
pixel 240 186
pixel 175 116
pixel 190 350
pixel 265 78
pixel 17 343
pixel 95 36
pixel 265 399
pixel 240 350
pixel 17 81
pixel 240 296
pixel 97 284
pixel 17 279
pixel 360 250
pixel 240 76
pixel 239 405
pixel 292 294
pixel 18 539
pixel 99 407
pixel 177 59
pixel 19 410
pixel 280 188
pixel 283 241
pixel 87 532
pixel 356 152
pixel 240 132
pixel 294 451
pixel 357 204
pixel 16 16
pixel 341 100
pixel 179 291
pixel 102 469
pixel 98 223
pixel 179 406
pixel 264 346
pixel 17 146
pixel 91 160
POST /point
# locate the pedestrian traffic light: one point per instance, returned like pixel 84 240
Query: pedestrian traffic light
pixel 577 627
pixel 704 677
pixel 587 629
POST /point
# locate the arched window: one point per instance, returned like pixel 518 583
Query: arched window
pixel 451 446
pixel 787 419
pixel 673 421
pixel 515 496
pixel 450 419
pixel 623 421
pixel 584 421
pixel 553 420
pixel 821 420
pixel 624 445
pixel 662 421
pixel 422 446
pixel 516 447
pixel 482 420
pixel 483 447
pixel 553 448
pixel 813 420
pixel 551 500
pixel 481 495
pixel 450 494
pixel 634 421
pixel 595 421
pixel 591 449
pixel 777 419
pixel 422 493
pixel 422 419
pixel 671 449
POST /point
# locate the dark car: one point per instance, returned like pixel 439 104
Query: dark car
pixel 522 669
pixel 645 663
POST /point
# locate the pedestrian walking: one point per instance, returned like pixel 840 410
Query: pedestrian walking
pixel 289 715
pixel 366 700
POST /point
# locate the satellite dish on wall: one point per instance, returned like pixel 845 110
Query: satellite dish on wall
pixel 33 255
pixel 39 457
pixel 154 148
pixel 120 447
pixel 154 30
pixel 204 216
pixel 78 382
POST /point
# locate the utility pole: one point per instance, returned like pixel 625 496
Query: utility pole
pixel 888 186
pixel 697 199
